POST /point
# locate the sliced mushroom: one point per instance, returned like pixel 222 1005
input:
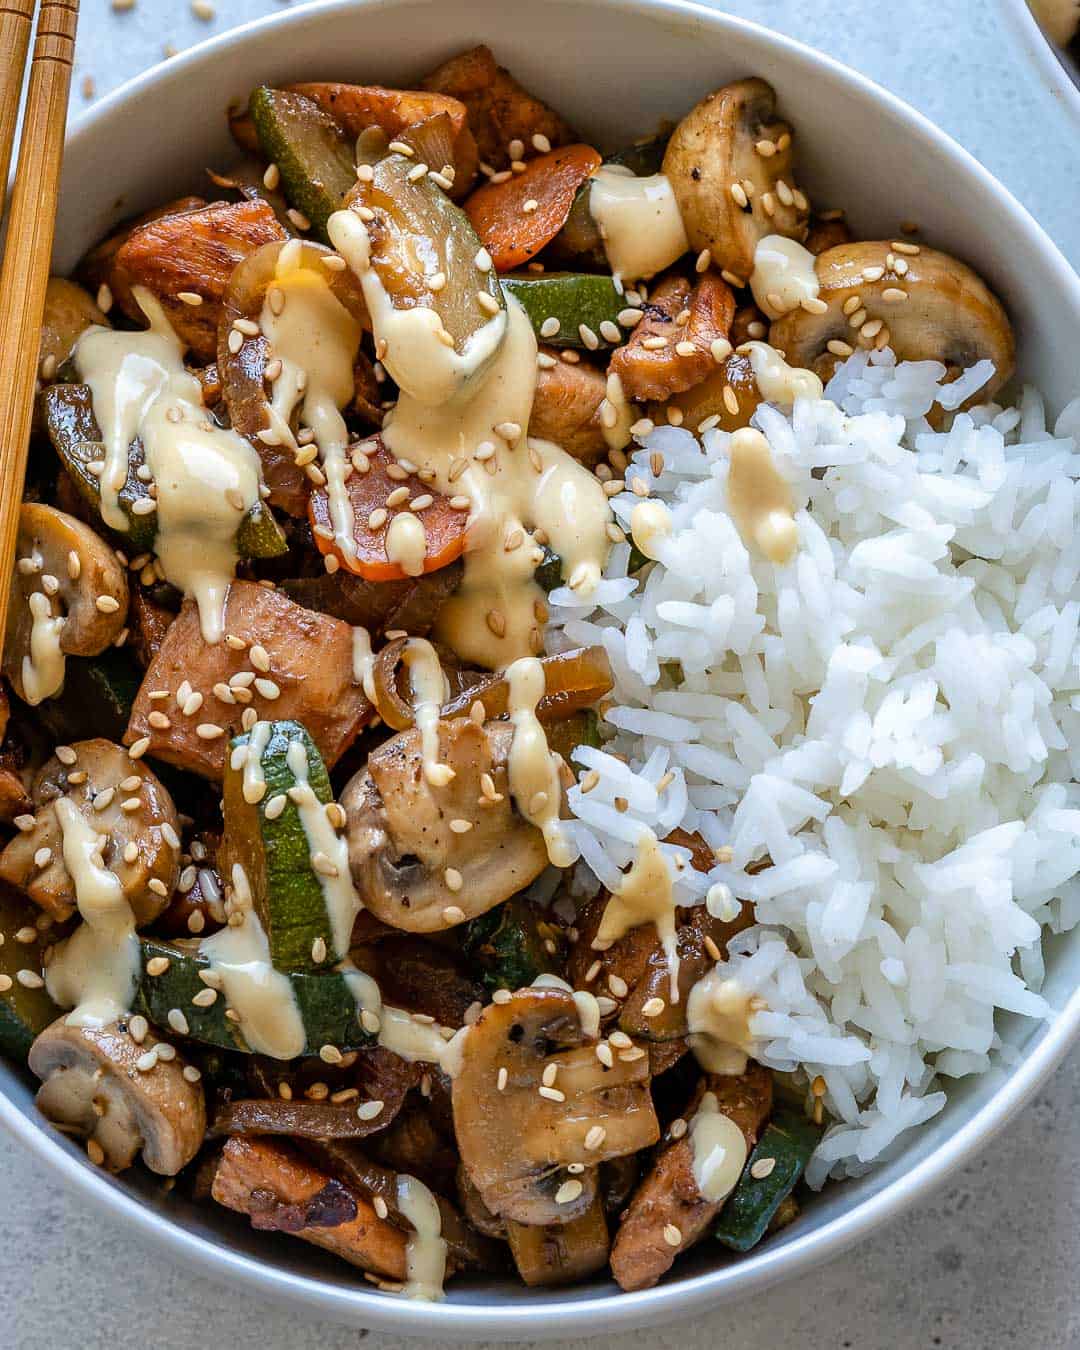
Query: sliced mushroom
pixel 124 801
pixel 69 312
pixel 730 165
pixel 561 1254
pixel 99 1083
pixel 411 868
pixel 923 304
pixel 533 1099
pixel 674 347
pixel 668 1213
pixel 68 597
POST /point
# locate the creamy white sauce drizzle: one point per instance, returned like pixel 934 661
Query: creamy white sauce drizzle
pixel 447 413
pixel 429 692
pixel 397 1029
pixel 316 339
pixel 339 893
pixel 43 667
pixel 425 1251
pixel 363 662
pixel 97 968
pixel 645 895
pixel 650 525
pixel 531 767
pixel 759 499
pixel 253 785
pixel 784 272
pixel 639 221
pixel 406 543
pixel 618 416
pixel 719 1150
pixel 718 1013
pixel 261 996
pixel 778 382
pixel 207 477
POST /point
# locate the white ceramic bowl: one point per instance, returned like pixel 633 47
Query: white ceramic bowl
pixel 615 67
pixel 1054 69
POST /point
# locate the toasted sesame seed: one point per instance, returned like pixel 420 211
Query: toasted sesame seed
pixel 330 1054
pixel 552 1094
pixel 138 1028
pixel 568 1192
pixel 369 1110
pixel 604 1055
pixel 487 302
pixel 147 1061
pixel 839 348
pixel 42 858
pixel 106 604
pixel 761 1168
pixel 178 1022
pixel 138 748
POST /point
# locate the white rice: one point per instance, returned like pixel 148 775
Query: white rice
pixel 893 718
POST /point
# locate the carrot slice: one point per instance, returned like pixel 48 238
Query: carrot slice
pixel 513 234
pixel 444 525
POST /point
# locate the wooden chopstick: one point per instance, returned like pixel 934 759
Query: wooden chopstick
pixel 15 18
pixel 31 223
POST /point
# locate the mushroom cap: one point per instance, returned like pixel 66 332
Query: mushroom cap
pixel 90 1083
pixel 714 149
pixel 151 828
pixel 516 1142
pixel 401 845
pixel 949 315
pixel 69 312
pixel 48 538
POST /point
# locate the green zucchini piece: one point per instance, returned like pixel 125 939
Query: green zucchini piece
pixel 579 237
pixel 580 728
pixel 23 1012
pixel 327 1007
pixel 68 411
pixel 313 154
pixel 573 298
pixel 506 945
pixel 274 851
pixel 416 228
pixel 97 699
pixel 788 1139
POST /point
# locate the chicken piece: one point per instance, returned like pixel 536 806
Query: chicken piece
pixel 195 253
pixel 283 1192
pixel 412 605
pixel 149 622
pixel 284 661
pixel 500 110
pixel 668 1213
pixel 566 409
pixel 689 319
pixel 98 268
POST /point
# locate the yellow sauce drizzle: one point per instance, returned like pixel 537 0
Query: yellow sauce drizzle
pixel 759 499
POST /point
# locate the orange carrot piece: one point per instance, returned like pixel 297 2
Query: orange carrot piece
pixel 515 219
pixel 444 526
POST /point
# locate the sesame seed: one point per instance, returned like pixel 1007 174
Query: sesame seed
pixel 738 194
pixel 496 622
pixel 568 1192
pixel 369 1110
pixel 552 1094
pixel 502 1078
pixel 685 349
pixel 106 604
pixel 42 858
pixel 672 1235
pixel 5 983
pixel 178 1022
pixel 857 319
pixel 148 1061
pixel 330 1054
pixel 453 914
pixel 209 731
pixel 762 1168
pixel 588 337
pixel 721 349
pixel 502 997
pixel 653 1007
pixel 487 302
pixel 138 1028
pixel 654 344
pixel 138 748
pixel 894 294
pixel 604 1055
pixel 104 298
pixel 839 348
pixel 610 331
pixel 29 979
pixel 205 998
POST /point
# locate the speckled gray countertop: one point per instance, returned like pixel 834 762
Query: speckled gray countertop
pixel 992 1261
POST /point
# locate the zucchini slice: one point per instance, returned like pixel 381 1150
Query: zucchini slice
pixel 99 692
pixel 506 945
pixel 265 834
pixel 787 1141
pixel 327 1007
pixel 313 154
pixel 68 412
pixel 23 1011
pixel 574 300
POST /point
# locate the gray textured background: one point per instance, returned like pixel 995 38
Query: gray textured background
pixel 992 1261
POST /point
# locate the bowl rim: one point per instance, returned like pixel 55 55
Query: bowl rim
pixel 1053 67
pixel 608 1312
